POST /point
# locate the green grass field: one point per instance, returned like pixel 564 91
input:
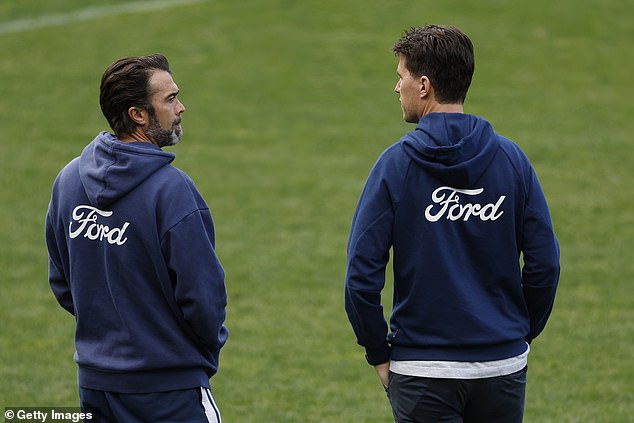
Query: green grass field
pixel 288 105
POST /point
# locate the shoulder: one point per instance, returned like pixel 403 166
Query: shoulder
pixel 70 168
pixel 514 154
pixel 180 178
pixel 68 175
pixel 392 158
pixel 177 186
pixel 177 198
pixel 511 149
pixel 394 151
pixel 388 173
pixel 519 162
pixel 391 165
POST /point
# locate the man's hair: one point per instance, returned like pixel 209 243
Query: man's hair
pixel 125 84
pixel 442 53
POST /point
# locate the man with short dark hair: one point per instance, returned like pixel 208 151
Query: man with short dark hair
pixel 132 256
pixel 459 205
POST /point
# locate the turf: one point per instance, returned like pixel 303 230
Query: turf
pixel 288 106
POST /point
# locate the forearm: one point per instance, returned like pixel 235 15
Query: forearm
pixel 60 288
pixel 383 372
pixel 365 313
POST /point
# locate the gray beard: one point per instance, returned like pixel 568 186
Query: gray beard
pixel 163 137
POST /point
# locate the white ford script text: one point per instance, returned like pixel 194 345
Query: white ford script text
pixel 447 203
pixel 85 218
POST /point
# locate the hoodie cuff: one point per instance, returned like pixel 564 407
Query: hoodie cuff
pixel 376 356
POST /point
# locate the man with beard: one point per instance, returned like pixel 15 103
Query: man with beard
pixel 132 256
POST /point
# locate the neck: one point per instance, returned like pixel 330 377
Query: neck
pixel 137 135
pixel 443 108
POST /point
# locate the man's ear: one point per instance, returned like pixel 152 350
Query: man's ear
pixel 138 115
pixel 425 86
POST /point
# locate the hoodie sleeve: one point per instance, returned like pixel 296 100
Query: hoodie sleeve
pixel 368 254
pixel 198 277
pixel 56 243
pixel 540 274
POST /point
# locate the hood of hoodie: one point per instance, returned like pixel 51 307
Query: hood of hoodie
pixel 456 148
pixel 109 168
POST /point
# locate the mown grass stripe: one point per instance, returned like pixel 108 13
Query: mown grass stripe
pixel 60 19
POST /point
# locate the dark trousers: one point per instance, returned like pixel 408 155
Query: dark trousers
pixel 426 400
pixel 184 406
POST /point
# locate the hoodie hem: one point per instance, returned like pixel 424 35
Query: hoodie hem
pixel 138 382
pixel 459 353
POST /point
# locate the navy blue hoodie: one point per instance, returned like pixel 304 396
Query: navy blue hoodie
pixel 132 257
pixel 458 204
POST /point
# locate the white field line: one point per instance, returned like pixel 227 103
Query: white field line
pixel 88 14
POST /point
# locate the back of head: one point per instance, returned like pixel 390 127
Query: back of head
pixel 125 84
pixel 442 53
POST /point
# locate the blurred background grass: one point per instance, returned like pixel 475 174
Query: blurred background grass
pixel 288 106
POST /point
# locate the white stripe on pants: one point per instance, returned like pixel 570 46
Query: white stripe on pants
pixel 211 409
